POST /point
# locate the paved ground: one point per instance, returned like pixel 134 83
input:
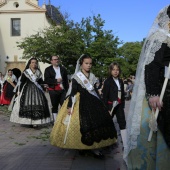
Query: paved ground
pixel 24 148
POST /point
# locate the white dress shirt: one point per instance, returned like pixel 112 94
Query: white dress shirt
pixel 117 82
pixel 57 71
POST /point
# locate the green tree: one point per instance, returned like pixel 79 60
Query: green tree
pixel 64 40
pixel 103 46
pixel 129 54
pixel 70 40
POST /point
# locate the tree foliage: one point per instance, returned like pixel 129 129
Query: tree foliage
pixel 129 54
pixel 70 40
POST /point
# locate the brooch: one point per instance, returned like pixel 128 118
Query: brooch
pixel 85 81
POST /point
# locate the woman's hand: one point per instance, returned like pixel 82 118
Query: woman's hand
pixel 59 80
pixel 46 86
pixel 100 91
pixel 154 103
pixel 69 111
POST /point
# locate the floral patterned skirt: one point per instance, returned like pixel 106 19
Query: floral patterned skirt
pixel 73 140
pixel 152 155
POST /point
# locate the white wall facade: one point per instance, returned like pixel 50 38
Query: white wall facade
pixel 33 19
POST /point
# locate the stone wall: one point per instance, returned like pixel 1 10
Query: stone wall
pixel 15 64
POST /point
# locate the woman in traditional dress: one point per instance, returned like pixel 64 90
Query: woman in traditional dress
pixel 91 126
pixel 1 82
pixel 7 93
pixel 155 55
pixel 31 106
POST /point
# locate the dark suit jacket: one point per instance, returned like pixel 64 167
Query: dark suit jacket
pixel 110 91
pixel 49 77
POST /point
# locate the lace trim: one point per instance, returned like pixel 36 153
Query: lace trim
pixel 92 80
pixel 37 74
pixel 148 96
pixel 152 44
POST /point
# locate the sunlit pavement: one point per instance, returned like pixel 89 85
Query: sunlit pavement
pixel 26 148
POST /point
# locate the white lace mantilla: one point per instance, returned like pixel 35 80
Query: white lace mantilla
pixel 92 80
pixel 33 77
pixel 158 34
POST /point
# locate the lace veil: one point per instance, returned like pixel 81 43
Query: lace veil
pixel 76 70
pixel 158 34
pixel 38 71
pixel 13 77
pixel 92 78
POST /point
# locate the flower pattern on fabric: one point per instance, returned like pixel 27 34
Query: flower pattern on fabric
pixel 74 138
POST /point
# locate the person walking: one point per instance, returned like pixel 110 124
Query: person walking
pixel 114 98
pixel 1 82
pixel 31 106
pixel 151 73
pixel 56 78
pixel 7 88
pixel 91 126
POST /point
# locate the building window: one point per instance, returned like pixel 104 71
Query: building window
pixel 16 4
pixel 16 26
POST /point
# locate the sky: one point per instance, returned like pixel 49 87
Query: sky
pixel 130 20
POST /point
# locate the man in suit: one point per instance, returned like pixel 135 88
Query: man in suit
pixel 56 78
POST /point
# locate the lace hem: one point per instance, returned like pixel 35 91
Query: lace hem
pixel 158 34
pixel 97 135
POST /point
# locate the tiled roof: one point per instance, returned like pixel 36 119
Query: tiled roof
pixel 53 13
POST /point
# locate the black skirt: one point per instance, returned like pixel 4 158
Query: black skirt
pixel 96 124
pixel 33 103
pixel 164 116
pixel 8 90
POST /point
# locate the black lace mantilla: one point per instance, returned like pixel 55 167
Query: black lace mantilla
pixel 154 79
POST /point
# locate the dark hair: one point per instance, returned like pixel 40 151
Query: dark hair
pixel 168 11
pixel 53 56
pixel 9 70
pixel 129 81
pixel 125 82
pixel 84 56
pixel 111 68
pixel 29 62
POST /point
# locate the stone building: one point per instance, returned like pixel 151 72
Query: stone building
pixel 19 19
